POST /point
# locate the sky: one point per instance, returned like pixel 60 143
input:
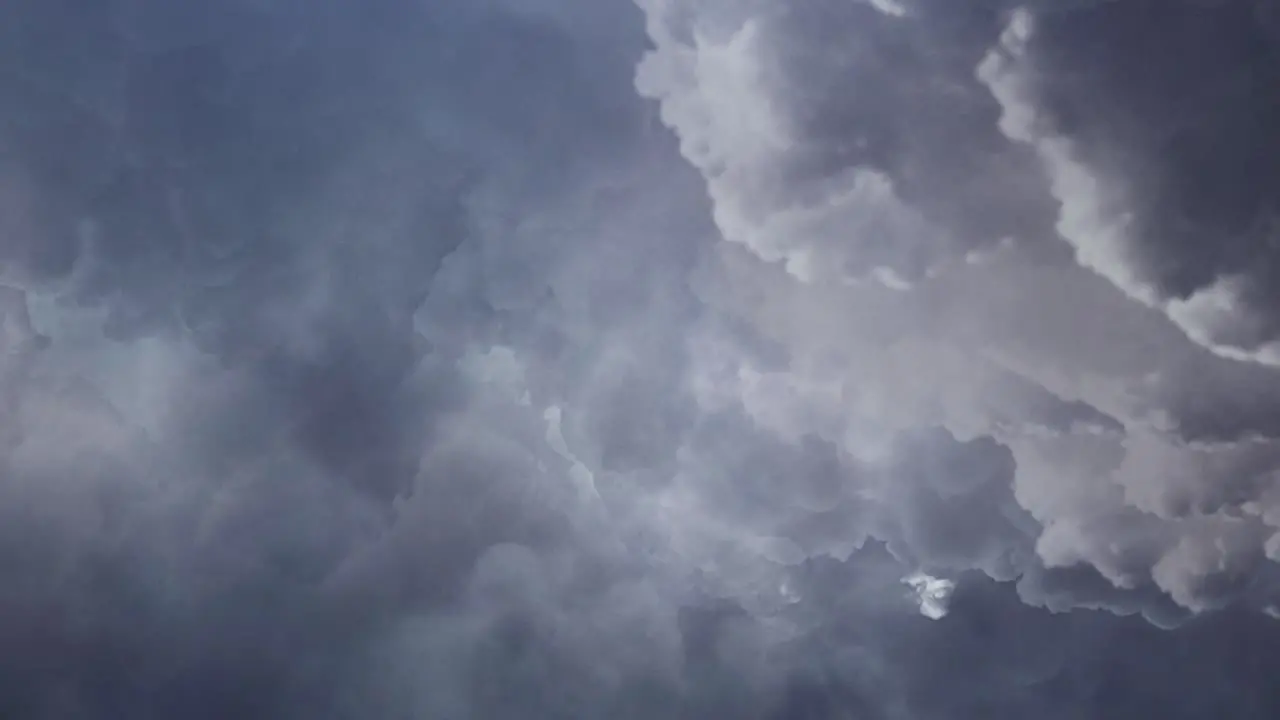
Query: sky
pixel 631 359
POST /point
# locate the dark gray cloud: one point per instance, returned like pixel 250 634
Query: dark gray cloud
pixel 573 359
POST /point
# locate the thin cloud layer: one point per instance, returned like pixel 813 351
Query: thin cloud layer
pixel 577 359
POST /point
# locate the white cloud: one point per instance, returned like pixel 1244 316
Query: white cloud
pixel 933 594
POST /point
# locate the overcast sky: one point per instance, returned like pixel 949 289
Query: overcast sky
pixel 632 359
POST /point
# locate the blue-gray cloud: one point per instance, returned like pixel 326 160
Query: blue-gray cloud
pixel 577 359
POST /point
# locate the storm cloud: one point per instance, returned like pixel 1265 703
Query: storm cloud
pixel 667 358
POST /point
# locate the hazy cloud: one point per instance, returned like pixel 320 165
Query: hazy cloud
pixel 578 359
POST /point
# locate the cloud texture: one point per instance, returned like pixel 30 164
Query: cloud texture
pixel 676 358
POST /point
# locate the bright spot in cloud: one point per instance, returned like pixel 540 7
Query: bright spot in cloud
pixel 933 594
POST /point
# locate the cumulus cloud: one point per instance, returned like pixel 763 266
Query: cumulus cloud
pixel 1177 180
pixel 659 359
pixel 998 332
pixel 934 594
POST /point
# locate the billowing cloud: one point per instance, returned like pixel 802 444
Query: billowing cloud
pixel 659 359
pixel 1029 330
